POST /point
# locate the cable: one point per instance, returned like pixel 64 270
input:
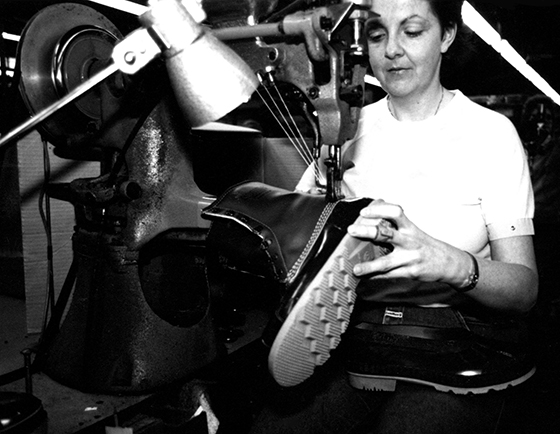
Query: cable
pixel 45 213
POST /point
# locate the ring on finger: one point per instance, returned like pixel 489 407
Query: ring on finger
pixel 384 231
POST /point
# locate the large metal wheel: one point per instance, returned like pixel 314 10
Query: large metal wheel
pixel 62 46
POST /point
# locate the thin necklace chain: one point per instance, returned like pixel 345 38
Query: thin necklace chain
pixel 389 104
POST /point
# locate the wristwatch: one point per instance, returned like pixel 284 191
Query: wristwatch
pixel 472 280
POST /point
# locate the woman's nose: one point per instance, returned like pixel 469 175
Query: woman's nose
pixel 393 48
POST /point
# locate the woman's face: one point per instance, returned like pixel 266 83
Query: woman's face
pixel 405 46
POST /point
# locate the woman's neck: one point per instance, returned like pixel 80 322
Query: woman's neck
pixel 405 109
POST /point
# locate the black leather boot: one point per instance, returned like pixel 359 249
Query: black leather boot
pixel 299 242
pixel 436 347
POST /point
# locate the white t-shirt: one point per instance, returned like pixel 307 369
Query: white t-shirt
pixel 461 176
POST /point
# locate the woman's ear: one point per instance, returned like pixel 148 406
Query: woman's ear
pixel 448 37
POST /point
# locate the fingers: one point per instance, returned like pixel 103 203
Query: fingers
pixel 381 232
pixel 380 209
pixel 318 190
pixel 379 222
pixel 314 190
pixel 376 267
pixel 373 225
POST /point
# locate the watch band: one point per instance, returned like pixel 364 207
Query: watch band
pixel 472 280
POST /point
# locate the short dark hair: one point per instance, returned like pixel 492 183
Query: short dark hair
pixel 449 15
pixel 448 12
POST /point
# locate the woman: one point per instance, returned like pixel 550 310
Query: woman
pixel 452 179
pixel 412 150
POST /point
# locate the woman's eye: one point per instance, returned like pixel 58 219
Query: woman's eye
pixel 375 36
pixel 413 33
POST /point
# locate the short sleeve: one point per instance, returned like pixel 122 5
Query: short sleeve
pixel 507 201
pixel 513 228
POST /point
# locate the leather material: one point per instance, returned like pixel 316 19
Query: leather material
pixel 262 227
pixel 282 235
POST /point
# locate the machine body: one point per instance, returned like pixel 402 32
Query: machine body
pixel 141 217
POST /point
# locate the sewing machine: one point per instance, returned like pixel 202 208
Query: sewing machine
pixel 140 314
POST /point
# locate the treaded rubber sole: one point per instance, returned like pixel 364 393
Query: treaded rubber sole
pixel 315 324
pixel 382 383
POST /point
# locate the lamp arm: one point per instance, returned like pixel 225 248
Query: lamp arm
pixel 132 54
pixel 48 111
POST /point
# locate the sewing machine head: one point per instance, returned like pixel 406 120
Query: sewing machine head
pixel 318 49
pixel 311 55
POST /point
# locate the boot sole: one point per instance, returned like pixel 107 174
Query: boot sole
pixel 382 383
pixel 315 324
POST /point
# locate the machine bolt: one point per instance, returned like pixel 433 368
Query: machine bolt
pixel 130 57
pixel 313 92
